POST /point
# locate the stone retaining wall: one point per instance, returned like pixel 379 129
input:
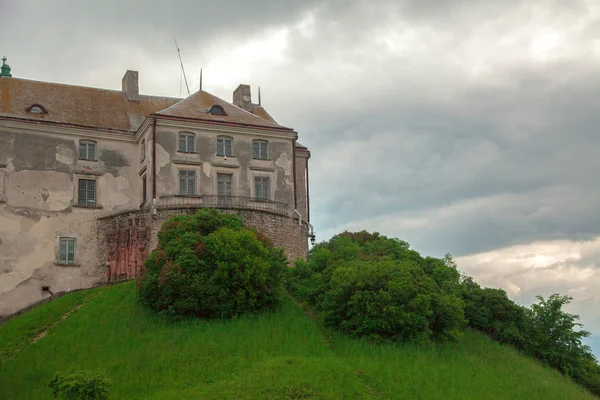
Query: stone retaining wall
pixel 132 246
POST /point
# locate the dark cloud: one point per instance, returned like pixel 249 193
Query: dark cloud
pixel 408 107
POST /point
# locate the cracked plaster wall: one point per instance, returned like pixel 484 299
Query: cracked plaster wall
pixel 207 164
pixel 38 197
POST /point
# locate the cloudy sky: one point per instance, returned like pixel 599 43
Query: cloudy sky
pixel 466 127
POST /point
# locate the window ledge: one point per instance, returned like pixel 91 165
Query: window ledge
pixel 90 207
pixel 187 152
pixel 85 159
pixel 224 165
pixel 266 169
pixel 66 265
pixel 187 162
pixel 261 159
pixel 223 156
pixel 83 172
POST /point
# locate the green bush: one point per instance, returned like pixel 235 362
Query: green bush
pixel 79 385
pixel 209 265
pixel 543 331
pixel 368 285
pixel 380 299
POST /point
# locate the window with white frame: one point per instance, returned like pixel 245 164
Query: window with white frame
pixel 143 150
pixel 86 193
pixel 186 142
pixel 66 251
pixel 87 150
pixel 225 146
pixel 224 184
pixel 262 187
pixel 187 182
pixel 260 149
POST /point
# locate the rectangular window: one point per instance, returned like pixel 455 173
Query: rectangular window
pixel 66 253
pixel 224 147
pixel 187 182
pixel 260 149
pixel 224 184
pixel 262 187
pixel 143 149
pixel 186 142
pixel 87 193
pixel 144 194
pixel 87 150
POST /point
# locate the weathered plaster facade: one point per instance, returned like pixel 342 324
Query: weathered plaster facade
pixel 40 170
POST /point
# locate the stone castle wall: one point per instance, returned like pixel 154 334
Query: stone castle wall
pixel 126 239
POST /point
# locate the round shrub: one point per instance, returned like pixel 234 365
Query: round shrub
pixel 381 299
pixel 368 285
pixel 209 265
pixel 79 385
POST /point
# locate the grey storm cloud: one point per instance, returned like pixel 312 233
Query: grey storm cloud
pixel 395 85
pixel 459 126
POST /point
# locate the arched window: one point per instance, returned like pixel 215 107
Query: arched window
pixel 217 110
pixel 37 109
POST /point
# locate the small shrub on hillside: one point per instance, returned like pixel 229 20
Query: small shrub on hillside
pixel 79 385
pixel 369 285
pixel 209 265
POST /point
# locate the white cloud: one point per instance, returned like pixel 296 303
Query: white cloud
pixel 543 268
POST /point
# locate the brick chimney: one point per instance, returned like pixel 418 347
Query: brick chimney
pixel 242 97
pixel 130 85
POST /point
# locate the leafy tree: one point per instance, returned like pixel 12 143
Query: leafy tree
pixel 556 337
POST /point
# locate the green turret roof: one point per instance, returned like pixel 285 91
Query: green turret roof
pixel 5 69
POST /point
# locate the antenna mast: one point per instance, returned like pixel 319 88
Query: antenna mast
pixel 182 69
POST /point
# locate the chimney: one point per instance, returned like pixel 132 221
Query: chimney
pixel 242 97
pixel 130 85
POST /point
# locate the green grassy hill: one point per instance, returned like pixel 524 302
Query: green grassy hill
pixel 282 355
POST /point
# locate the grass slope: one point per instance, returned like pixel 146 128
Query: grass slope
pixel 281 355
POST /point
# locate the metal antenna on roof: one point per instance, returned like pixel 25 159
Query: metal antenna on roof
pixel 200 78
pixel 259 95
pixel 182 69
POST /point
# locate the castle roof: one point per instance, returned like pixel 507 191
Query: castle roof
pixel 198 106
pixel 111 109
pixel 77 105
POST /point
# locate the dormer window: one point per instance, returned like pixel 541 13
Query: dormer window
pixel 37 109
pixel 217 110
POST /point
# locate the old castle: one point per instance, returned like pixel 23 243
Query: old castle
pixel 87 177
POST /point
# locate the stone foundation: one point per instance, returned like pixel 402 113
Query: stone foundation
pixel 126 239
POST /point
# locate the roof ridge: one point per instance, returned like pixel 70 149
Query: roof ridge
pixel 92 87
pixel 254 116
